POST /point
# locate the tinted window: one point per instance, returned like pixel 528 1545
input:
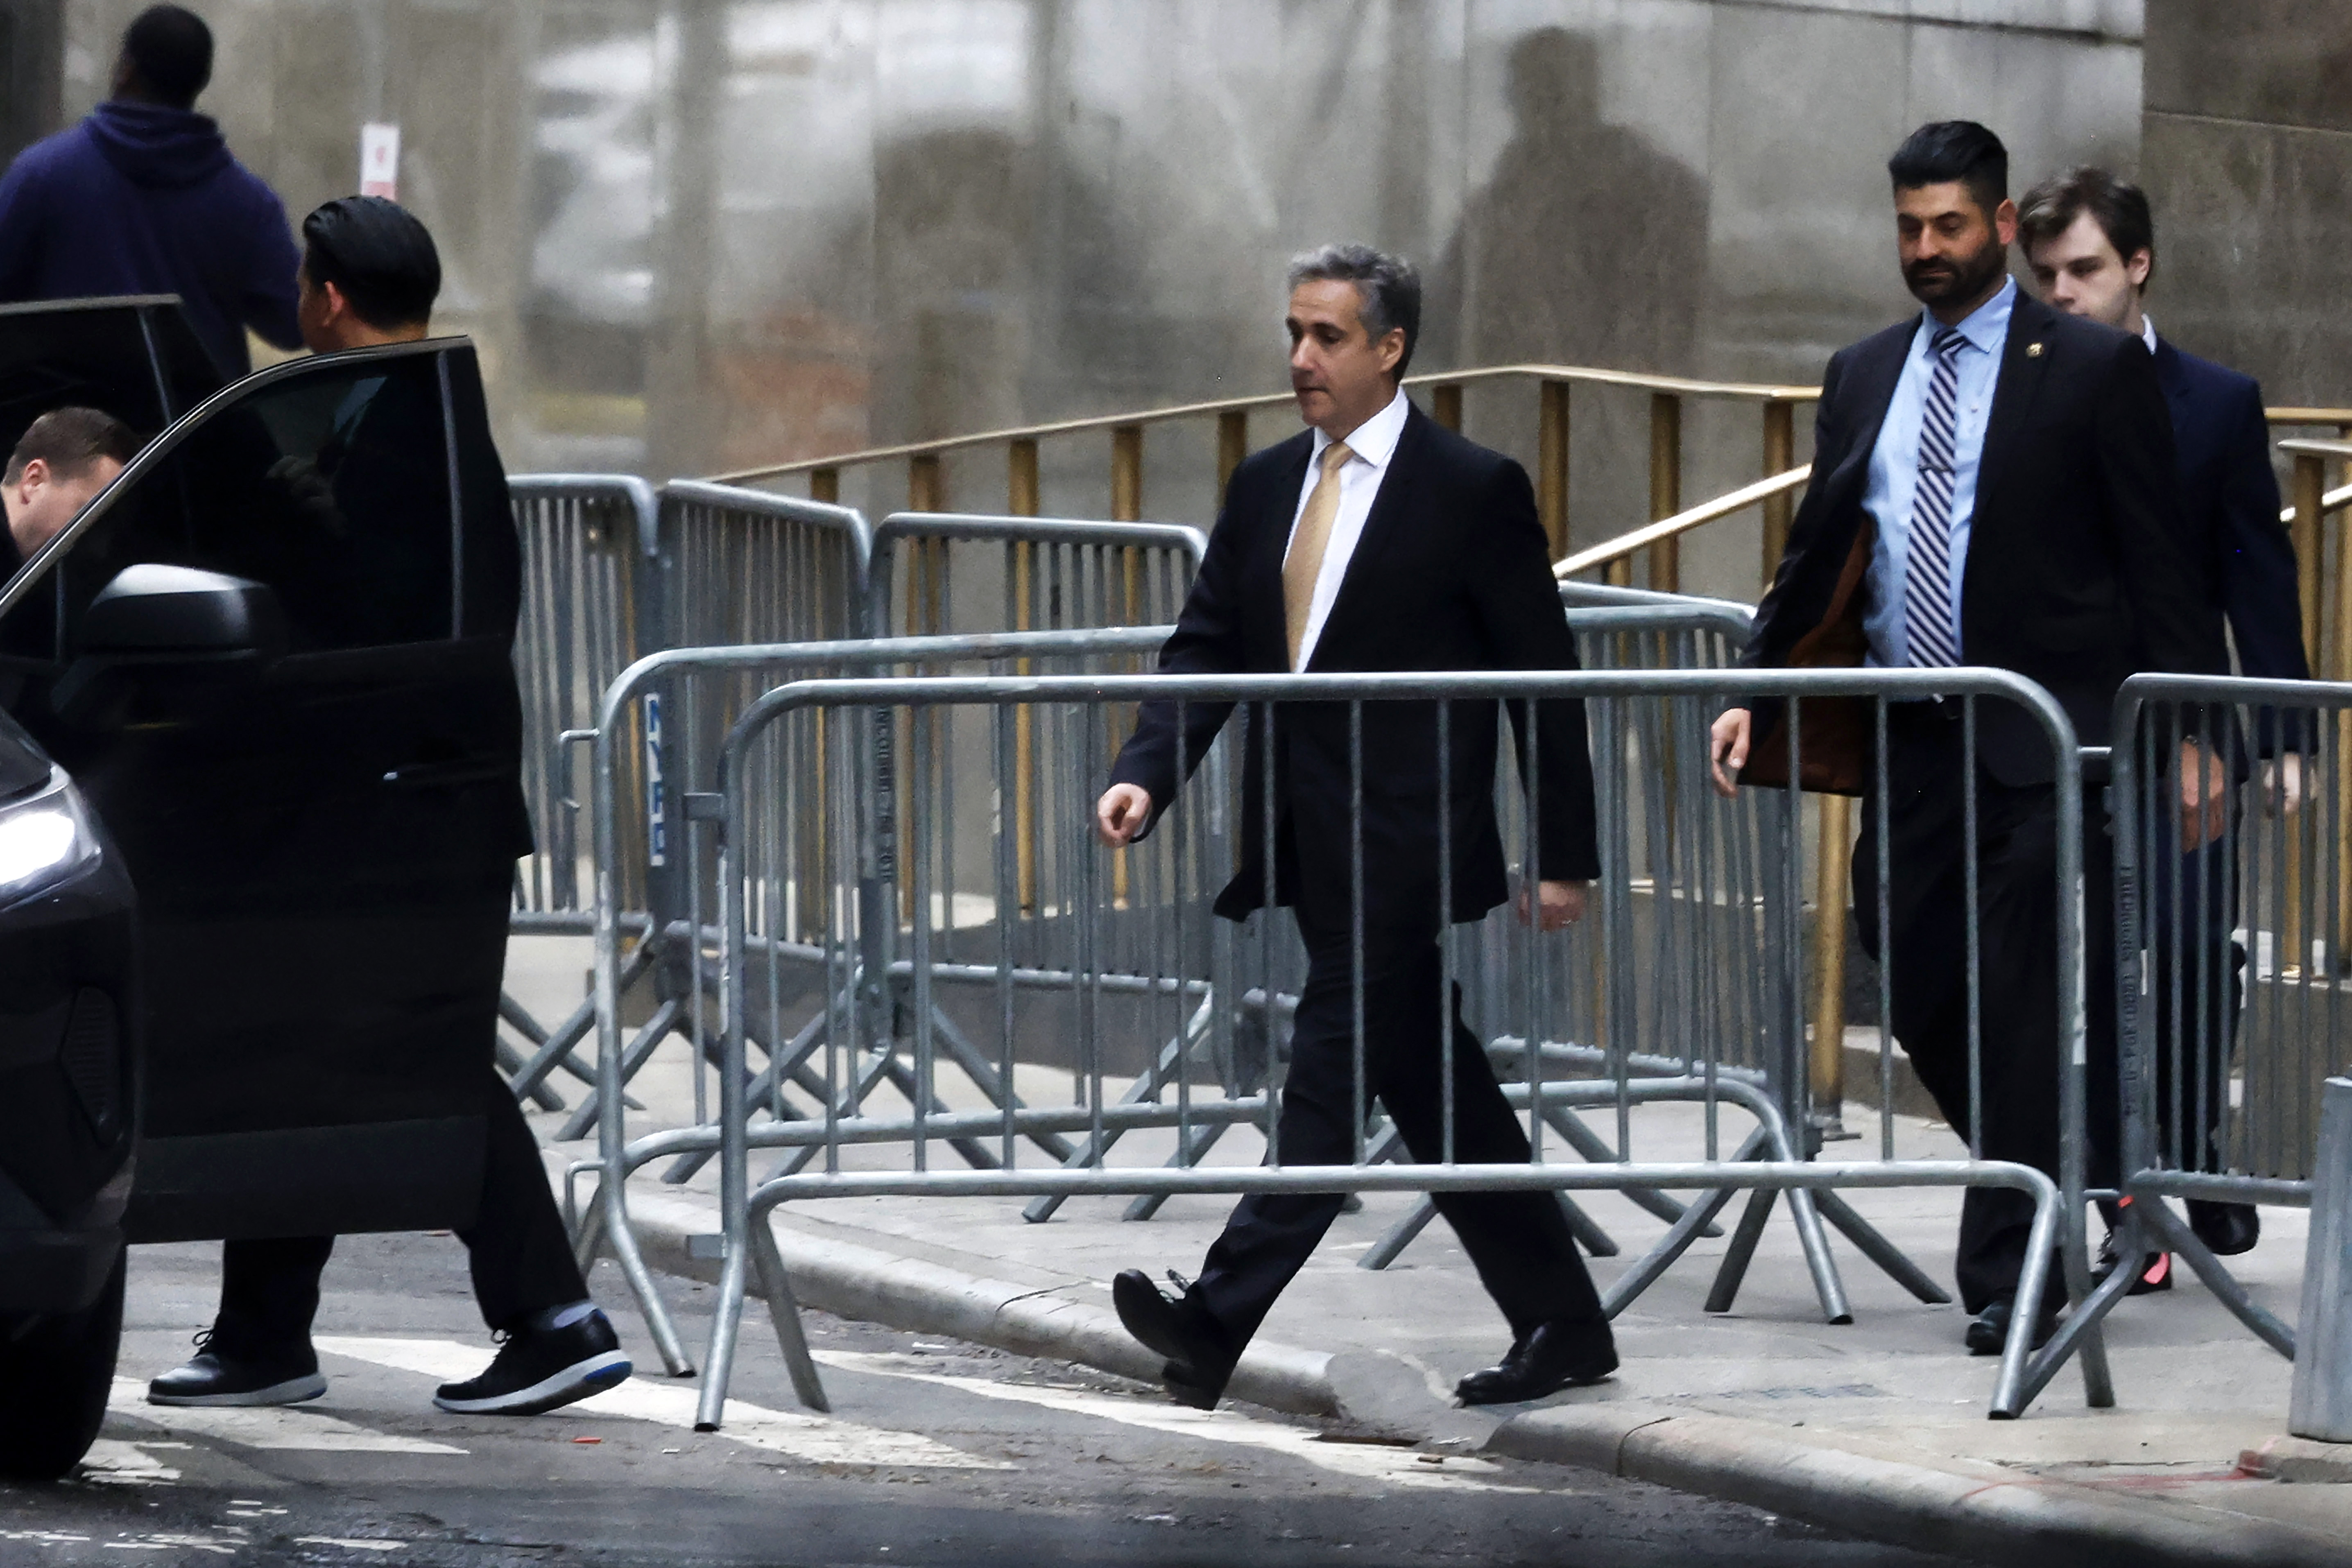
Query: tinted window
pixel 331 485
pixel 139 362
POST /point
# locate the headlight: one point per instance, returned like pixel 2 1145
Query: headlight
pixel 44 837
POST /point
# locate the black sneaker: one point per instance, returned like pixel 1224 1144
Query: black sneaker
pixel 287 1376
pixel 548 1360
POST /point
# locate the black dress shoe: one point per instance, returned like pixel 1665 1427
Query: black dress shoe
pixel 2156 1275
pixel 1199 1361
pixel 1554 1356
pixel 285 1376
pixel 1989 1330
pixel 2228 1228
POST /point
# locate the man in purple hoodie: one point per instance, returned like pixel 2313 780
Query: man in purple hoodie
pixel 143 197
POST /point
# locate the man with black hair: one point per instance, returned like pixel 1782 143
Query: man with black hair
pixel 1992 484
pixel 60 463
pixel 2090 243
pixel 369 278
pixel 144 197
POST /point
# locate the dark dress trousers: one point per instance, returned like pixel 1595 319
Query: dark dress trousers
pixel 1450 573
pixel 2248 573
pixel 2082 570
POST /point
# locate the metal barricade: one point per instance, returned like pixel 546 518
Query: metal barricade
pixel 700 688
pixel 943 571
pixel 2233 909
pixel 1675 906
pixel 587 613
pixel 748 567
pixel 716 566
pixel 1567 1009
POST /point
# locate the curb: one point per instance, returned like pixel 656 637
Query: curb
pixel 2017 1520
pixel 2012 1519
pixel 877 1286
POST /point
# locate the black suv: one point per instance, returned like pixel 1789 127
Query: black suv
pixel 273 659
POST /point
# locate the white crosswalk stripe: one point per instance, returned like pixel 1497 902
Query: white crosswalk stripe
pixel 288 1428
pixel 813 1439
pixel 1398 1467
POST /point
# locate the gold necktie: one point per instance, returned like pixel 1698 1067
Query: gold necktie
pixel 1304 561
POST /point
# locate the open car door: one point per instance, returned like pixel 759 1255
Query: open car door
pixel 132 356
pixel 311 771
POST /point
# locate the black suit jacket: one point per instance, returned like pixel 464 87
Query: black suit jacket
pixel 1451 572
pixel 2082 568
pixel 2232 499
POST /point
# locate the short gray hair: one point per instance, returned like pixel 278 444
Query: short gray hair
pixel 1387 290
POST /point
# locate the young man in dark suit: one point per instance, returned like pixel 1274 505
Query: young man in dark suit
pixel 1992 484
pixel 1377 540
pixel 2090 242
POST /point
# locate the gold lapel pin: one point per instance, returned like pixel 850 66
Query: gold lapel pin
pixel 2033 351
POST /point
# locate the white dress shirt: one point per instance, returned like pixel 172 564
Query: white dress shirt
pixel 2148 330
pixel 1370 446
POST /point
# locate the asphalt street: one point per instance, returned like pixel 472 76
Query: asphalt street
pixel 936 1454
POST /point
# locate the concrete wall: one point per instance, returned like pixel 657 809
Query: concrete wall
pixel 695 234
pixel 2248 154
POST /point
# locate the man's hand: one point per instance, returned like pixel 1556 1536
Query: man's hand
pixel 1729 738
pixel 1121 813
pixel 1561 904
pixel 2282 784
pixel 2204 795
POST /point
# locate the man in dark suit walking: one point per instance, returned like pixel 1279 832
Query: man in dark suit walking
pixel 1992 484
pixel 2090 241
pixel 1377 540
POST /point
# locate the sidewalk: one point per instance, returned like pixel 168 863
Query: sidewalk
pixel 1877 1427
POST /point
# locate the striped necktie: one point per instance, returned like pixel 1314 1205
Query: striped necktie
pixel 1928 627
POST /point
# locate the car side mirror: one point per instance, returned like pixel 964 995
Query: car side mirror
pixel 170 622
pixel 153 612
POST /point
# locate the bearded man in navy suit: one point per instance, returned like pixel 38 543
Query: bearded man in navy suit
pixel 2090 240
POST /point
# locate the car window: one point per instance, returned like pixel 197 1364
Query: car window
pixel 332 483
pixel 136 359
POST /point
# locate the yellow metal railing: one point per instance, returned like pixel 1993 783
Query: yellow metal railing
pixel 927 489
pixel 2328 644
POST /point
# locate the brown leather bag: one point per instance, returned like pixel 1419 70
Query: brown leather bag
pixel 1834 733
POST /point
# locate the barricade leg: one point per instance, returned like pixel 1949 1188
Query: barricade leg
pixel 1871 1245
pixel 1736 1257
pixel 556 1048
pixel 991 1083
pixel 2020 1378
pixel 657 1029
pixel 1697 1216
pixel 510 1062
pixel 785 1313
pixel 1147 1086
pixel 2177 1235
pixel 1581 1138
pixel 780 1068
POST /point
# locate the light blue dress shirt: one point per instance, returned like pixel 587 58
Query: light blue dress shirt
pixel 1895 468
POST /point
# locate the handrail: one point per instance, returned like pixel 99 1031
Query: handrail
pixel 1681 522
pixel 1674 385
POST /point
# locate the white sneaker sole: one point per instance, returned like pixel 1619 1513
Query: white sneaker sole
pixel 293 1391
pixel 607 1369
